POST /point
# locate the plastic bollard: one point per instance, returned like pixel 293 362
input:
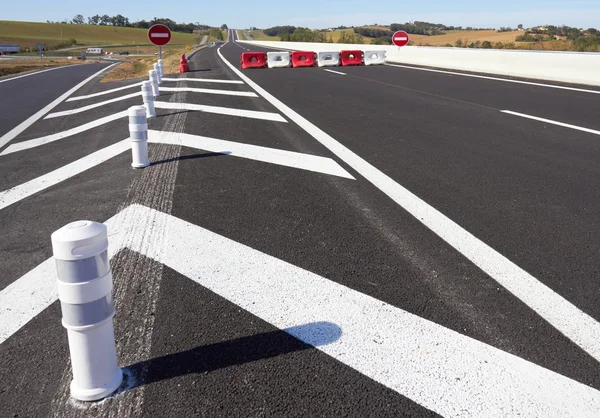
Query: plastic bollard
pixel 85 294
pixel 154 80
pixel 157 69
pixel 161 67
pixel 148 98
pixel 138 133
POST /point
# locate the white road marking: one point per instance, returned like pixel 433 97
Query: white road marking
pixel 335 72
pixel 92 106
pixel 552 86
pixel 553 122
pixel 89 96
pixel 9 136
pixel 253 152
pixel 20 146
pixel 29 74
pixel 204 80
pixel 22 191
pixel 575 324
pixel 209 91
pixel 440 369
pixel 253 114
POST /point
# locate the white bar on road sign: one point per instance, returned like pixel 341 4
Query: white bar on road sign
pixel 403 38
pixel 159 35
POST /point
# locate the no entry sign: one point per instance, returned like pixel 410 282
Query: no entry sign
pixel 159 34
pixel 400 38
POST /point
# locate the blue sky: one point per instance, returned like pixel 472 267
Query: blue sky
pixel 320 14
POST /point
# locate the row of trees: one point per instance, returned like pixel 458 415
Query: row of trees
pixel 122 21
pixel 279 30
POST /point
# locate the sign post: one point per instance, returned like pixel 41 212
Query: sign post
pixel 41 50
pixel 159 35
pixel 400 38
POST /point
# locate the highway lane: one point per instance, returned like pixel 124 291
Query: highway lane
pixel 215 347
pixel 524 188
pixel 30 94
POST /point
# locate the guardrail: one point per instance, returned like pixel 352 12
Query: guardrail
pixel 566 67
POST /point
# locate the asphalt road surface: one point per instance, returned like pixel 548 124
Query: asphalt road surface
pixel 373 241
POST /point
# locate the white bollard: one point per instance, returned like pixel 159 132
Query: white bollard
pixel 148 98
pixel 162 68
pixel 157 69
pixel 138 133
pixel 85 294
pixel 154 80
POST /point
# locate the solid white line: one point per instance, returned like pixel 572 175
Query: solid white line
pixel 440 369
pixel 34 73
pixel 22 191
pixel 209 91
pixel 89 96
pixel 92 106
pixel 576 325
pixel 495 78
pixel 9 136
pixel 565 125
pixel 204 80
pixel 253 114
pixel 20 146
pixel 335 72
pixel 253 152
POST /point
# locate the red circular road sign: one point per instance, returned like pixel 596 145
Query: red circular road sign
pixel 400 38
pixel 159 34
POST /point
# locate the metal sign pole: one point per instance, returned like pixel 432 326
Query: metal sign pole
pixel 160 52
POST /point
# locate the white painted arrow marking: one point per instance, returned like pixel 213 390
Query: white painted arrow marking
pixel 440 369
pixel 253 152
pixel 89 96
pixel 209 91
pixel 20 146
pixel 92 106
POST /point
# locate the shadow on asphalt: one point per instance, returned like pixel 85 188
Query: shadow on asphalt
pixel 191 157
pixel 243 350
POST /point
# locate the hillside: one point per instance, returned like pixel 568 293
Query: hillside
pixel 27 34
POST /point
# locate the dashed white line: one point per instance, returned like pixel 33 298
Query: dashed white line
pixel 575 324
pixel 335 72
pixel 552 122
pixel 485 77
pixel 9 136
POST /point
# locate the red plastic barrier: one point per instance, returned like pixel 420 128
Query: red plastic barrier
pixel 351 57
pixel 303 59
pixel 254 60
pixel 183 64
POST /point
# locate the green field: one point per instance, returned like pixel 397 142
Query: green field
pixel 27 34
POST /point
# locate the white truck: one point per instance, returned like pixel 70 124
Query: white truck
pixel 95 51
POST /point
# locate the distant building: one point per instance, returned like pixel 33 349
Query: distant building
pixel 9 49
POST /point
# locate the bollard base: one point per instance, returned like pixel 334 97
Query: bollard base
pixel 139 165
pixel 96 394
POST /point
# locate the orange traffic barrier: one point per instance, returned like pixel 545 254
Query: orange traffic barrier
pixel 183 64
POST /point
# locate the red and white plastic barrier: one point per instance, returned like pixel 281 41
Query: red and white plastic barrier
pixel 253 60
pixel 374 57
pixel 328 59
pixel 303 59
pixel 278 59
pixel 353 57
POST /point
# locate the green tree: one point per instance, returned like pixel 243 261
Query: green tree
pixel 486 45
pixel 520 26
pixel 224 27
pixel 78 20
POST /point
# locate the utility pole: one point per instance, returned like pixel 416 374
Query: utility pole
pixel 61 31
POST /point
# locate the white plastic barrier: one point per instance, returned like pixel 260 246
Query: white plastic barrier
pixel 328 58
pixel 566 67
pixel 278 59
pixel 374 57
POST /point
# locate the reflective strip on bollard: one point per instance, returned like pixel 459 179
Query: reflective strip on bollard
pixel 85 285
pixel 154 80
pixel 148 98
